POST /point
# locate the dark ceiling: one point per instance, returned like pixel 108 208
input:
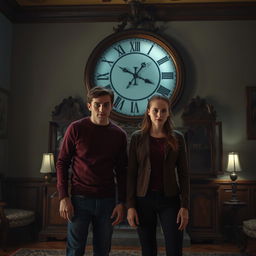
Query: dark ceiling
pixel 186 10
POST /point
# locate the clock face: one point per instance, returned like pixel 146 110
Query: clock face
pixel 136 66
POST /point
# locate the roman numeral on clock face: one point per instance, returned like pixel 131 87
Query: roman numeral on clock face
pixel 119 102
pixel 163 60
pixel 134 66
pixel 104 76
pixel 150 49
pixel 120 50
pixel 134 107
pixel 164 91
pixel 167 75
pixel 135 46
pixel 108 61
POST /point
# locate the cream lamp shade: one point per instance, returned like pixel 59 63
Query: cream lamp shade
pixel 233 166
pixel 233 162
pixel 47 163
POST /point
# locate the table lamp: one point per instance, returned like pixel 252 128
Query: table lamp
pixel 233 167
pixel 47 167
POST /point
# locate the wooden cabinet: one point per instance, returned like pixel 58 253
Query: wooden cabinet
pixel 53 225
pixel 204 212
pixel 237 213
pixel 208 214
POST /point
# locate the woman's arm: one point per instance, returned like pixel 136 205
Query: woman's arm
pixel 182 171
pixel 132 174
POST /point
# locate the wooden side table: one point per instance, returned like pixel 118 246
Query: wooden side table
pixel 234 228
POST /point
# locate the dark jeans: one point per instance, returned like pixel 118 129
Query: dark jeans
pixel 154 205
pixel 98 213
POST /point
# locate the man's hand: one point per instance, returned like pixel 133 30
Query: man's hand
pixel 118 214
pixel 182 218
pixel 66 208
pixel 132 217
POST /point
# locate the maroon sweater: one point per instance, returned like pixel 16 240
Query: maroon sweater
pixel 94 152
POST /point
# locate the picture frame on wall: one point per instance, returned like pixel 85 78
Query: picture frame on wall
pixel 3 112
pixel 251 112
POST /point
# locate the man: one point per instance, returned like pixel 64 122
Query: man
pixel 96 150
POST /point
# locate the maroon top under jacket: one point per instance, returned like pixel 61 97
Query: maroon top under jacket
pixel 157 151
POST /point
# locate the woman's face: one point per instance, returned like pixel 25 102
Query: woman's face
pixel 158 112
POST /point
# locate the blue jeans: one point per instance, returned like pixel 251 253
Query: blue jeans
pixel 97 212
pixel 154 205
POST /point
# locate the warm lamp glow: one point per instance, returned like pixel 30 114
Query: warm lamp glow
pixel 47 166
pixel 233 166
pixel 233 163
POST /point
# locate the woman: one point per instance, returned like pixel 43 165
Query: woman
pixel 158 182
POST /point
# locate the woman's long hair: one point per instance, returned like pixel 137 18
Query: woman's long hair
pixel 168 125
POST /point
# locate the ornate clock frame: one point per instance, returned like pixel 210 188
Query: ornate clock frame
pixel 139 24
pixel 155 39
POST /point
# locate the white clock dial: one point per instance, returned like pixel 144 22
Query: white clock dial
pixel 136 66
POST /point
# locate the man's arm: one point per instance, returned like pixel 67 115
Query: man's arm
pixel 120 171
pixel 64 161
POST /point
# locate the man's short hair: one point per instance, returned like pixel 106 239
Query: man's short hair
pixel 99 91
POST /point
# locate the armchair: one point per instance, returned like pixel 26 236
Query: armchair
pixel 249 229
pixel 13 218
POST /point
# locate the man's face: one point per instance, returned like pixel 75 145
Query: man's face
pixel 100 109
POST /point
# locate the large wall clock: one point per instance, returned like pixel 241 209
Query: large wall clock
pixel 135 64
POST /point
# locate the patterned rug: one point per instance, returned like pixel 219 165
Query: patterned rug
pixel 57 252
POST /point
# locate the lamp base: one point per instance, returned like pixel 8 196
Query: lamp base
pixel 47 177
pixel 234 190
pixel 234 199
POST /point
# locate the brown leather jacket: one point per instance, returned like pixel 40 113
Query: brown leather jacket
pixel 175 171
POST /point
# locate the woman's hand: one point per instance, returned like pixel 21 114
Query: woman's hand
pixel 132 217
pixel 182 218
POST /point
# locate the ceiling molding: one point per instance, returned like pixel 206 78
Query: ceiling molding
pixel 95 13
pixel 115 2
pixel 8 8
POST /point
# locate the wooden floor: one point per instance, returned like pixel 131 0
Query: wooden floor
pixel 226 247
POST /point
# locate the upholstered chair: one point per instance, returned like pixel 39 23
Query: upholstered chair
pixel 249 229
pixel 13 219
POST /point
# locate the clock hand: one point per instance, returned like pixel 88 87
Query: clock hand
pixel 135 75
pixel 147 81
pixel 126 70
pixel 142 65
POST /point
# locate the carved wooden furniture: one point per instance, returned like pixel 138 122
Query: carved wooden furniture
pixel 204 146
pixel 53 225
pixel 204 139
pixel 69 110
pixel 232 228
pixel 208 216
pixel 204 212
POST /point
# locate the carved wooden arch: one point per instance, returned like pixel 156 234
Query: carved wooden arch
pixel 69 110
